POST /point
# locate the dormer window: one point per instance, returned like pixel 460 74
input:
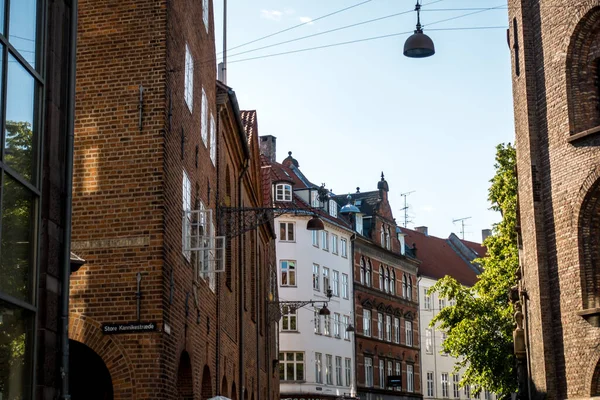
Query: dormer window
pixel 314 198
pixel 333 208
pixel 283 192
pixel 359 223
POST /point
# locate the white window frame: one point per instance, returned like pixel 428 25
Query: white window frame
pixel 382 237
pixel 399 373
pixel 189 78
pixel 205 13
pixel 430 384
pixel 410 378
pixel 344 246
pixel 291 272
pixel 334 244
pixel 345 327
pixel 363 271
pixel 359 223
pixel 316 277
pixel 386 281
pixel 326 282
pixel 314 199
pixel 283 192
pixel 213 140
pixel 408 331
pixel 455 386
pixel 290 316
pixel 404 287
pixel 319 368
pixel 379 326
pixel 444 337
pixel 204 118
pixel 315 238
pixel 335 280
pixel 381 373
pixel 441 304
pixel 327 325
pixel 428 341
pixel 325 240
pixel 396 330
pixel 336 325
pixel 381 278
pixel 283 361
pixel 445 387
pixel 426 299
pixel 367 323
pixel 388 328
pixel 393 282
pixel 333 208
pixel 329 369
pixel 390 369
pixel 285 236
pixel 467 390
pixel 368 372
pixel 345 288
pixel 348 370
pixel 338 371
pixel 186 190
pixel 317 321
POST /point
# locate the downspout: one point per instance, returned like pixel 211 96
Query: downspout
pixel 66 267
pixel 354 383
pixel 218 338
pixel 241 283
pixel 257 293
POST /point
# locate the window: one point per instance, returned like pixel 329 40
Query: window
pixel 345 286
pixel 316 277
pixel 329 369
pixel 388 242
pixel 467 391
pixel 336 283
pixel 186 188
pixel 442 304
pixel 213 141
pixel 338 371
pixel 283 192
pixel 444 336
pixel 333 208
pixel 404 288
pixel 367 322
pixel 428 341
pixel 289 319
pixel 315 238
pixel 317 319
pixel 286 232
pixel 334 244
pixel 410 288
pixel 386 284
pixel 368 274
pixel 390 368
pixel 362 271
pixel 381 374
pixel 381 278
pixel 368 372
pixel 325 240
pixel 426 299
pixel 409 332
pixel 397 330
pixel 410 381
pixel 189 78
pixel 455 387
pixel 327 325
pixel 204 118
pixel 487 395
pixel 382 237
pixel 430 384
pixel 477 395
pixel 288 273
pixel 344 246
pixel 336 325
pixel 380 326
pixel 314 199
pixel 359 223
pixel 291 366
pixel 444 384
pixel 393 282
pixel 345 327
pixel 205 12
pixel 388 328
pixel 348 365
pixel 318 367
pixel 326 283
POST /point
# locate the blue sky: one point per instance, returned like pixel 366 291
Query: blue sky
pixel 350 112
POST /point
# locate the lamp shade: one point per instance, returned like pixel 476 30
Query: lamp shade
pixel 349 209
pixel 419 45
pixel 324 310
pixel 315 224
pixel 350 328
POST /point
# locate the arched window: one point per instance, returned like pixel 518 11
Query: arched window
pixel 387 238
pixel 362 271
pixel 409 289
pixel 382 236
pixel 404 285
pixel 583 73
pixel 393 282
pixel 368 274
pixel 589 252
pixel 387 280
pixel 381 277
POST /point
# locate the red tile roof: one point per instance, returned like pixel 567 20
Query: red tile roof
pixel 439 259
pixel 250 124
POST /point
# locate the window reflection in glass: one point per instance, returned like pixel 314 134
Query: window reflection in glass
pixel 20 119
pixel 23 28
pixel 16 334
pixel 16 249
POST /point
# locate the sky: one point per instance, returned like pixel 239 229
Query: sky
pixel 348 113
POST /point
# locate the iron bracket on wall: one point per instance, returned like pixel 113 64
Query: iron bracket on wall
pixel 237 221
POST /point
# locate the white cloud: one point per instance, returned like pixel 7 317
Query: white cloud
pixel 273 15
pixel 306 20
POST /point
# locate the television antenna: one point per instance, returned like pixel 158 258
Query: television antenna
pixel 462 223
pixel 405 208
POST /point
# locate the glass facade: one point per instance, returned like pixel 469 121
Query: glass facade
pixel 21 86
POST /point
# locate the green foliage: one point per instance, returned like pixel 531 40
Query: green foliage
pixel 479 327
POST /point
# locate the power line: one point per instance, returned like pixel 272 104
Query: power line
pixel 361 40
pixel 464 15
pixel 299 25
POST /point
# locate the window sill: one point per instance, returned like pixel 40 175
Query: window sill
pixel 589 132
pixel 288 286
pixel 295 332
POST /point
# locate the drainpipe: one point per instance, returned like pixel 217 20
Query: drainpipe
pixel 241 285
pixel 66 267
pixel 218 276
pixel 257 293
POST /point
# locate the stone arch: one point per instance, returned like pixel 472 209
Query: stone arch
pixel 207 389
pixel 111 351
pixel 594 382
pixel 185 378
pixel 233 392
pixel 583 73
pixel 89 378
pixel 224 387
pixel 589 249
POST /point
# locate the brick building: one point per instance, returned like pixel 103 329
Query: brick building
pixel 387 345
pixel 171 301
pixel 554 46
pixel 37 39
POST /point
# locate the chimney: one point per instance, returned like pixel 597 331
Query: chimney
pixel 422 229
pixel 485 233
pixel 268 147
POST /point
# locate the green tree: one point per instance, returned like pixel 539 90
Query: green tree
pixel 479 326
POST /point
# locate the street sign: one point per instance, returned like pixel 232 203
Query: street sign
pixel 133 327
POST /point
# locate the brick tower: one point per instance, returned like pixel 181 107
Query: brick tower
pixel 555 47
